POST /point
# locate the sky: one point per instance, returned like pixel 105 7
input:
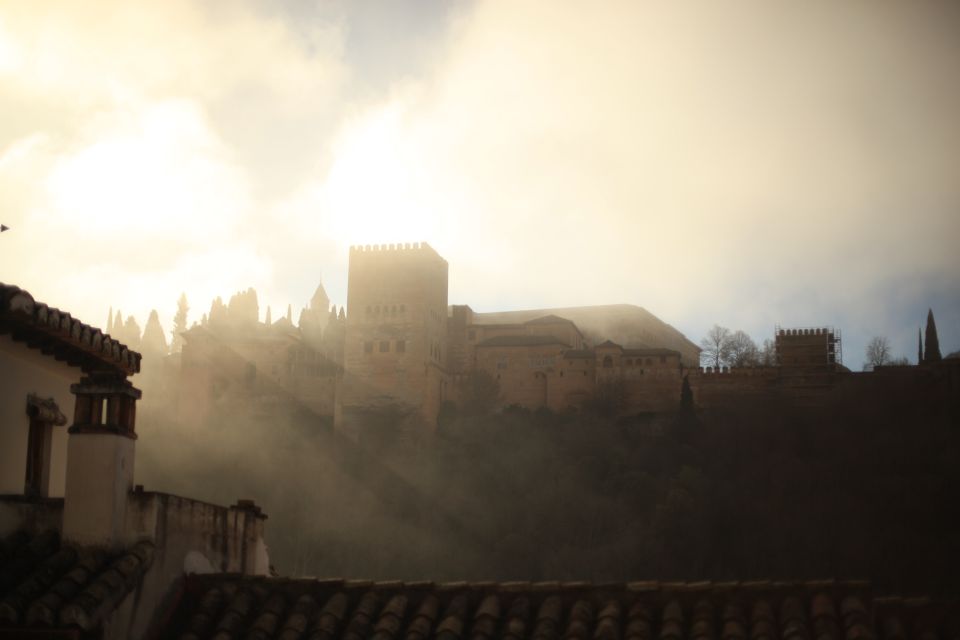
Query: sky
pixel 742 163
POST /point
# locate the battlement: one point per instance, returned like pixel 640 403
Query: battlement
pixel 808 346
pixel 806 331
pixel 411 249
pixel 743 372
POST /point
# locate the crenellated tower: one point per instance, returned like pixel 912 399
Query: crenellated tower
pixel 396 333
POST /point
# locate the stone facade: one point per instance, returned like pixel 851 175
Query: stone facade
pixel 395 347
pixel 406 353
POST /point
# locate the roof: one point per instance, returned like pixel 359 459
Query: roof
pixel 549 319
pixel 520 341
pixel 46 584
pixel 57 333
pixel 625 323
pixel 237 606
pixel 608 344
pixel 650 352
pixel 320 295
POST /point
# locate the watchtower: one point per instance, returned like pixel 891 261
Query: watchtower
pixel 808 348
pixel 396 332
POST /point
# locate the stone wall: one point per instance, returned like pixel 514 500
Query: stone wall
pixel 396 343
pixel 190 537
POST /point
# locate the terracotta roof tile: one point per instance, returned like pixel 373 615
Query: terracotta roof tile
pixel 338 610
pixel 43 584
pixel 65 337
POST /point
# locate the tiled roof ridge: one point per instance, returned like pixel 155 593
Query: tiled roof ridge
pixel 19 310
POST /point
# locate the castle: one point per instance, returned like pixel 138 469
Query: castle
pixel 399 354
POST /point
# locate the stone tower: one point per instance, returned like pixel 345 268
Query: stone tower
pixel 396 336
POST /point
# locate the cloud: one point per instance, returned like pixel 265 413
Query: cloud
pixel 746 163
pixel 138 144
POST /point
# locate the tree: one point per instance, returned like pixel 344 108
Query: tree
pixel 741 350
pixel 179 324
pixel 715 346
pixel 153 341
pixel 932 352
pixel 767 355
pixel 131 333
pixel 877 353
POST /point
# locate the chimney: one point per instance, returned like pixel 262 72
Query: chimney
pixel 100 455
pixel 249 554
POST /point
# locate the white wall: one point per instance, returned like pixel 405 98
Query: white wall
pixel 23 371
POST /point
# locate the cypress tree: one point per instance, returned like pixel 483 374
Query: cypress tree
pixel 919 346
pixel 932 352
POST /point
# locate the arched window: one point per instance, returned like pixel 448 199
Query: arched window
pixel 607 362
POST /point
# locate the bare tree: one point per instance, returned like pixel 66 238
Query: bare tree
pixel 767 355
pixel 877 353
pixel 715 346
pixel 742 350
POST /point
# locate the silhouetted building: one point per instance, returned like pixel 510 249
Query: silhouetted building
pixel 84 553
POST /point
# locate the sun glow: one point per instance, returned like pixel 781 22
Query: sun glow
pixel 377 189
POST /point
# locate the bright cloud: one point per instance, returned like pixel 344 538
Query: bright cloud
pixel 742 163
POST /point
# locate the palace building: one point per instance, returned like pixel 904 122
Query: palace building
pixel 399 352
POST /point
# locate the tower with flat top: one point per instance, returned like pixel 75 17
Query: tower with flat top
pixel 396 337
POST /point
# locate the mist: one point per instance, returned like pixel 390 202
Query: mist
pixel 748 164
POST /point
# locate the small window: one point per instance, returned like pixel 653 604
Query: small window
pixel 401 346
pixel 384 346
pixel 607 362
pixel 663 359
pixel 649 361
pixel 402 308
pixel 368 347
pixel 473 334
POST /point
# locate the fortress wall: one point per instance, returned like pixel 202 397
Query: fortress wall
pixel 653 390
pixel 572 385
pixel 713 389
